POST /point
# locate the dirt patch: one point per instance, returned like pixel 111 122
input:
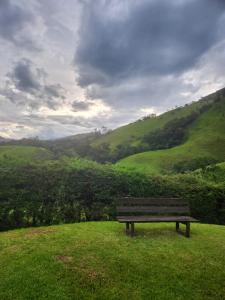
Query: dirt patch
pixel 13 249
pixel 94 272
pixel 65 259
pixel 35 232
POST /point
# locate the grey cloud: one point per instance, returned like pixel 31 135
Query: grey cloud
pixel 15 21
pixel 153 37
pixel 80 105
pixel 54 90
pixel 12 19
pixel 32 89
pixel 26 77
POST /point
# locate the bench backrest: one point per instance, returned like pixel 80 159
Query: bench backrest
pixel 152 206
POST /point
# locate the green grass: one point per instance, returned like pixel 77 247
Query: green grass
pixel 97 260
pixel 205 138
pixel 18 155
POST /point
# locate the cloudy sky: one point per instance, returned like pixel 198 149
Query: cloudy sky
pixel 69 66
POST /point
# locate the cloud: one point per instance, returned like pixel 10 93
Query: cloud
pixel 120 40
pixel 80 105
pixel 19 25
pixel 26 85
pixel 26 77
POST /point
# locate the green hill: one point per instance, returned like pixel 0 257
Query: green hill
pixel 133 133
pixel 17 155
pixel 96 260
pixel 204 144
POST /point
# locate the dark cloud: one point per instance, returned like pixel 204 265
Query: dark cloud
pixel 80 105
pixel 12 19
pixel 26 77
pixel 54 90
pixel 31 86
pixel 143 38
pixel 15 21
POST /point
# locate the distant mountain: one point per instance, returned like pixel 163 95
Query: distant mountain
pixel 3 140
pixel 74 145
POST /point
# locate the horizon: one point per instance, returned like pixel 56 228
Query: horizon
pixel 107 130
pixel 70 67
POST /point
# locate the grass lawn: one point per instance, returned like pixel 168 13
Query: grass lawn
pixel 96 260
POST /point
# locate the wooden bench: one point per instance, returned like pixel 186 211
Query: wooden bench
pixel 145 210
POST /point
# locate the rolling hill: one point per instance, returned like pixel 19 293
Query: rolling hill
pixel 12 155
pixel 205 139
pixel 132 134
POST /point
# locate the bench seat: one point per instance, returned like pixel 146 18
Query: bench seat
pixel 148 219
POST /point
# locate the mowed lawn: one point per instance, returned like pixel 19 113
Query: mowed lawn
pixel 96 260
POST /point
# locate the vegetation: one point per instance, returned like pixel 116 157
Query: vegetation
pixel 71 190
pixel 204 143
pixel 96 261
pixel 20 155
pixel 172 134
pixel 132 134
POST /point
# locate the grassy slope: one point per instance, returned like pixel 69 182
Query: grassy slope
pixel 16 155
pixel 97 261
pixel 206 137
pixel 132 133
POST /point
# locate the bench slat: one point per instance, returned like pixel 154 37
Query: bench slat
pixel 153 209
pixel 147 219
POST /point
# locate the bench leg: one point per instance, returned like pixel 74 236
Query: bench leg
pixel 127 228
pixel 177 226
pixel 132 229
pixel 187 232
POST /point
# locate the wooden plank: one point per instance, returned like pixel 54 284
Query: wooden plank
pixel 148 219
pixel 151 201
pixel 153 209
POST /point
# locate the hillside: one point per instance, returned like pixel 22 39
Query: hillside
pixel 96 261
pixel 132 133
pixel 205 140
pixel 12 155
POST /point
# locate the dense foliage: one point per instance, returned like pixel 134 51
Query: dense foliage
pixel 79 191
pixel 193 164
pixel 172 134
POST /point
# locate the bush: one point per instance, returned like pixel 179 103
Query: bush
pixel 63 193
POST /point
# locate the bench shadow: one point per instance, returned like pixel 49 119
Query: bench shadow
pixel 155 232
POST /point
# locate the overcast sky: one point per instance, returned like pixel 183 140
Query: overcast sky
pixel 69 66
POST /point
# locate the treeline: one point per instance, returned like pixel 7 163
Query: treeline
pixel 60 193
